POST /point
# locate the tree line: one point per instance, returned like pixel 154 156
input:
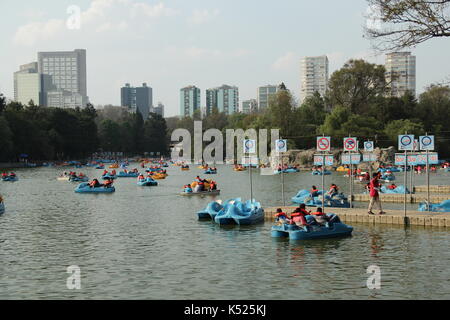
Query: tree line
pixel 357 104
pixel 41 133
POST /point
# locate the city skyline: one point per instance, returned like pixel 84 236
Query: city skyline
pixel 186 52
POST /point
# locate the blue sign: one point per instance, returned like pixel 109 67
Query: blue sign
pixel 281 146
pixel 351 158
pixel 368 146
pixel 369 157
pixel 249 146
pixel 417 159
pixel 320 159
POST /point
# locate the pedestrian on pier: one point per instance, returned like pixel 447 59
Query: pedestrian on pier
pixel 374 187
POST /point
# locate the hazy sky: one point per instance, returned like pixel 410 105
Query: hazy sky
pixel 174 43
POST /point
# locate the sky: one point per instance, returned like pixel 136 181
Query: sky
pixel 170 44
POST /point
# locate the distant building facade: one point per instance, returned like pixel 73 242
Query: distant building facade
pixel 264 95
pixel 313 76
pixel 158 109
pixel 29 85
pixel 137 99
pixel 249 106
pixel 400 73
pixel 68 74
pixel 189 101
pixel 224 98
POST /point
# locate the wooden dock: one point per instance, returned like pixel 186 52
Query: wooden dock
pixel 392 217
pixel 433 189
pixel 400 198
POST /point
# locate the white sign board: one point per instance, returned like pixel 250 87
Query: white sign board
pixel 249 146
pixel 323 143
pixel 368 146
pixel 426 142
pixel 350 144
pixel 281 146
pixel 406 142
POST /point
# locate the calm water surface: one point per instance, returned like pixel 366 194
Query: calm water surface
pixel 146 243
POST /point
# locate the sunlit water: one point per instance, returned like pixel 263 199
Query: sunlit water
pixel 146 243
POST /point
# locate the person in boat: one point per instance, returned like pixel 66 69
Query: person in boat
pixel 320 216
pixel 4 175
pixel 198 179
pixel 334 190
pixel 12 175
pixel 141 177
pixel 201 186
pixel 314 192
pixel 392 187
pixel 298 217
pixel 113 172
pixel 108 183
pixel 95 184
pixel 105 172
pixel 281 216
pixel 212 186
pixel 188 188
pixel 367 176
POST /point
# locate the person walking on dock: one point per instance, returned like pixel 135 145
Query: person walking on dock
pixel 374 195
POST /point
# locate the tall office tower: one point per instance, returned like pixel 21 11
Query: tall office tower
pixel 137 98
pixel 189 101
pixel 313 76
pixel 400 73
pixel 249 106
pixel 264 94
pixel 31 85
pixel 68 72
pixel 158 110
pixel 224 98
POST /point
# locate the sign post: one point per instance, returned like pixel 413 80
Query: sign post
pixel 323 160
pixel 406 142
pixel 280 147
pixel 427 144
pixel 323 146
pixel 250 148
pixel 351 145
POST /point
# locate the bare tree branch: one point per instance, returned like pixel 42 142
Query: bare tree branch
pixel 401 24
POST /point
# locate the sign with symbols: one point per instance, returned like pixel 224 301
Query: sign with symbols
pixel 323 160
pixel 351 158
pixel 369 146
pixel 426 142
pixel 417 159
pixel 249 146
pixel 369 157
pixel 247 161
pixel 281 146
pixel 406 142
pixel 350 144
pixel 323 143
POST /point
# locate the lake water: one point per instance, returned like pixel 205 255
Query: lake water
pixel 146 243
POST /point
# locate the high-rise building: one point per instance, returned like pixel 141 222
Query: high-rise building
pixel 137 98
pixel 68 72
pixel 189 101
pixel 249 106
pixel 400 73
pixel 158 110
pixel 313 76
pixel 31 85
pixel 264 95
pixel 224 98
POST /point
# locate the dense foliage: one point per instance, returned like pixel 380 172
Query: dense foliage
pixel 60 134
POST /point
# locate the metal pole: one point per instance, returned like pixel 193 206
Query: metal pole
pixel 251 181
pixel 282 181
pixel 428 183
pixel 406 174
pixel 351 179
pixel 323 183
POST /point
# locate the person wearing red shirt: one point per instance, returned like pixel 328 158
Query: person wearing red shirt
pixel 299 214
pixel 374 186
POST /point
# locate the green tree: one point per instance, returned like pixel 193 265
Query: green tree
pixel 399 127
pixel 357 85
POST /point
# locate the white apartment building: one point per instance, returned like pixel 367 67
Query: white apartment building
pixel 313 76
pixel 400 73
